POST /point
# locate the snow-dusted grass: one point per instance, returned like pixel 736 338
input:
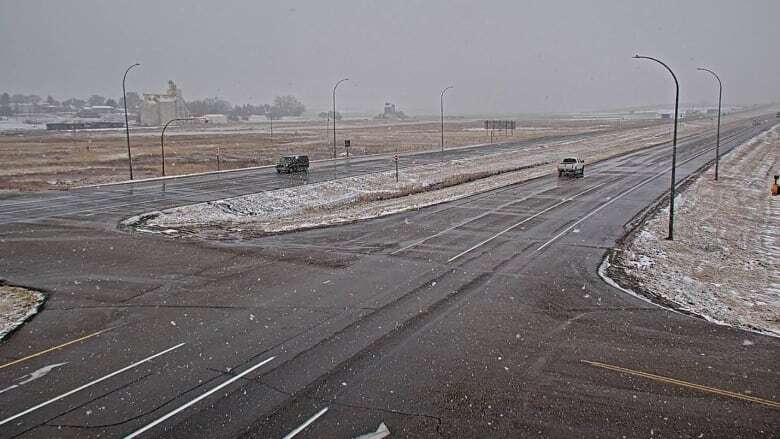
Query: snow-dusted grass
pixel 16 306
pixel 723 263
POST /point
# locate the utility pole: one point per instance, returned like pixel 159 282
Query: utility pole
pixel 127 126
pixel 670 237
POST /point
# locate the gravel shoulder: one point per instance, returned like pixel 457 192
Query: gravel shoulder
pixel 723 263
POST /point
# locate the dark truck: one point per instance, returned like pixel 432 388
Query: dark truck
pixel 571 167
pixel 292 163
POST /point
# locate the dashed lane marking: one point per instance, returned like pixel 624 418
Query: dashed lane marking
pixel 621 195
pixel 196 400
pixel 89 384
pixel 565 200
pixel 308 422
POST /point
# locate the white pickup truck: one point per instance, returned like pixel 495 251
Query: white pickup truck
pixel 571 167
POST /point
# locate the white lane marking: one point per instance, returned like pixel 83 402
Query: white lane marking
pixel 196 400
pixel 607 170
pixel 89 384
pixel 626 192
pixel 565 200
pixel 9 388
pixel 461 224
pixel 301 427
pixel 612 200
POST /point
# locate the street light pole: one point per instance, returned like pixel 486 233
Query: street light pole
pixel 674 143
pixel 127 126
pixel 442 117
pixel 720 97
pixel 334 115
pixel 162 139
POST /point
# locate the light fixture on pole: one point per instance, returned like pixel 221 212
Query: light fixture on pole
pixel 334 115
pixel 127 126
pixel 670 237
pixel 717 141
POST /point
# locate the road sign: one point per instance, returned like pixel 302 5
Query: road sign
pixel 346 143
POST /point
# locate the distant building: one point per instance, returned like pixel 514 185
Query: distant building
pixel 217 119
pixel 158 109
pixel 390 112
pixel 95 111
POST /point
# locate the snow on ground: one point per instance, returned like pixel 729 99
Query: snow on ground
pixel 16 306
pixel 724 262
pixel 377 194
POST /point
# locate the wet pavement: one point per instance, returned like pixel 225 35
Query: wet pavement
pixel 482 317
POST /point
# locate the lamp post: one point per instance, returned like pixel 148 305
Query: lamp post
pixel 717 141
pixel 162 138
pixel 127 126
pixel 442 118
pixel 334 115
pixel 674 143
pixel 271 118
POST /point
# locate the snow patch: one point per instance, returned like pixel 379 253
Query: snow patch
pixel 16 306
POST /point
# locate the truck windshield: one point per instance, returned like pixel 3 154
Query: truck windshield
pixel 569 160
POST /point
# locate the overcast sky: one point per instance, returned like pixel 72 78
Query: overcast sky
pixel 501 56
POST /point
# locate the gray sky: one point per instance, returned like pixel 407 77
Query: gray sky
pixel 501 56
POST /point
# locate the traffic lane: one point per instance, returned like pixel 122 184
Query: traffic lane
pixel 592 228
pixel 320 171
pixel 153 312
pixel 388 315
pixel 585 296
pixel 82 266
pixel 329 165
pixel 524 368
pixel 213 186
pixel 225 340
pixel 688 165
pixel 412 227
pixel 599 300
pixel 80 381
pixel 302 359
pixel 174 192
pixel 635 164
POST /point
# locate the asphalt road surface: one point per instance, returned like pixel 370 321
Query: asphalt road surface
pixel 483 317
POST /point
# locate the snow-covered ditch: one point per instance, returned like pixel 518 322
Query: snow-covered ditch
pixel 371 195
pixel 723 263
pixel 16 306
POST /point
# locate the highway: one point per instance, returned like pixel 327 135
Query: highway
pixel 482 317
pixel 130 197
